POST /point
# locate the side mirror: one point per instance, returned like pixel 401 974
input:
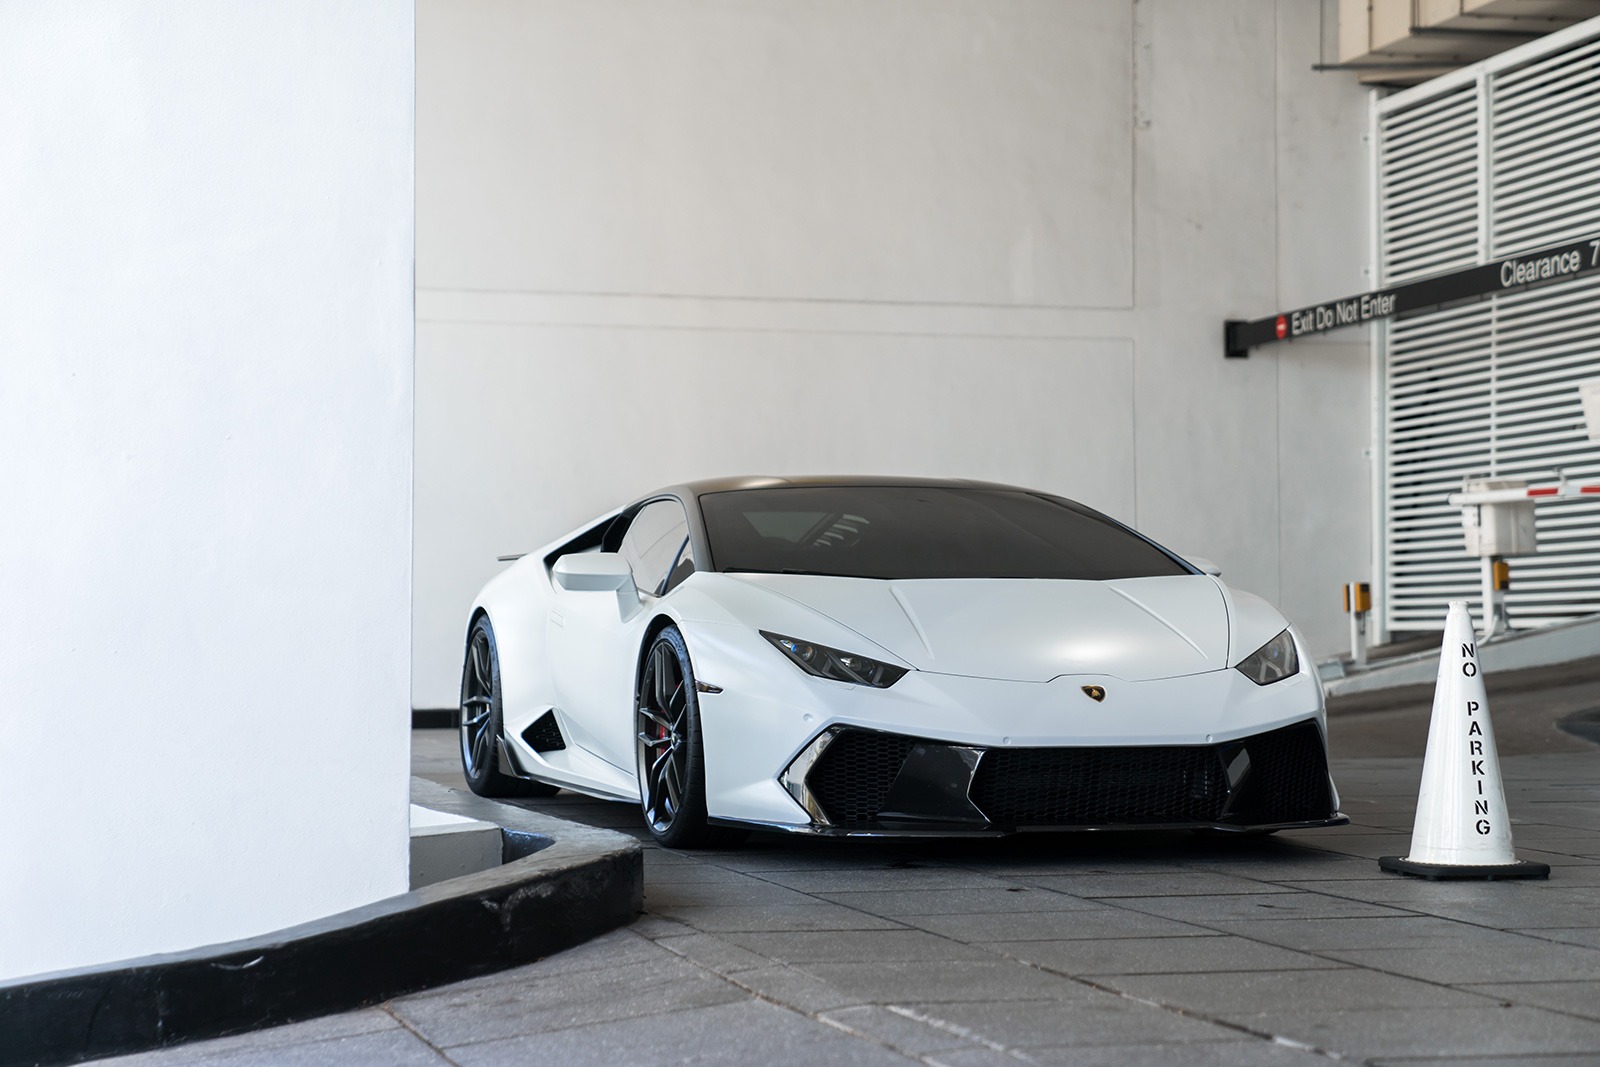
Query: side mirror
pixel 593 572
pixel 1205 565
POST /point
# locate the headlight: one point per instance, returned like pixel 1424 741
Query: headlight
pixel 825 662
pixel 1272 662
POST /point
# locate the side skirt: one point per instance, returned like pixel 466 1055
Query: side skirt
pixel 511 765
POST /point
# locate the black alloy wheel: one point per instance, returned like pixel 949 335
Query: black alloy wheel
pixel 671 759
pixel 480 721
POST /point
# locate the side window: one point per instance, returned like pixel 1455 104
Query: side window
pixel 653 544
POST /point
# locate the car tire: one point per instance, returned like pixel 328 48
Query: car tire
pixel 670 750
pixel 480 729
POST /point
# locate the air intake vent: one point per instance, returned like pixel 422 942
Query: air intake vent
pixel 544 735
pixel 1283 780
pixel 1288 777
pixel 1100 786
pixel 852 778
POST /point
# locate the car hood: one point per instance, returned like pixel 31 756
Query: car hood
pixel 1027 629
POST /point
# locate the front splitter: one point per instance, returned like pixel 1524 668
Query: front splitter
pixel 966 830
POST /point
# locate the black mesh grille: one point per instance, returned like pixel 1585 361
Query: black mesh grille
pixel 544 735
pixel 854 774
pixel 1288 777
pixel 1287 781
pixel 1100 786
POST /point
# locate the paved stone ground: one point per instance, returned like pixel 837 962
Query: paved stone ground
pixel 1091 949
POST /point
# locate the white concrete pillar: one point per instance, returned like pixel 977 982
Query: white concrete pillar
pixel 205 470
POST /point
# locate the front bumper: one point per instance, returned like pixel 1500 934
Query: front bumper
pixel 768 716
pixel 855 781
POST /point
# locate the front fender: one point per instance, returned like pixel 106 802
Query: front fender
pixel 517 602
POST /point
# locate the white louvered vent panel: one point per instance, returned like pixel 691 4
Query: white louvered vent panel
pixel 1491 388
pixel 1427 189
pixel 1547 341
pixel 1545 151
pixel 1438 381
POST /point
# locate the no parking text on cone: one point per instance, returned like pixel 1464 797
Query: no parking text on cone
pixel 1463 829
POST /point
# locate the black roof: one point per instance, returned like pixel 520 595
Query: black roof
pixel 690 490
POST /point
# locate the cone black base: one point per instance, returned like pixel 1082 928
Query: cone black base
pixel 1434 872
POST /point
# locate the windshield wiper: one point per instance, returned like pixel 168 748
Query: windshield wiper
pixel 811 574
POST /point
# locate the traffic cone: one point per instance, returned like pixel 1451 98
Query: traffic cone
pixel 1462 829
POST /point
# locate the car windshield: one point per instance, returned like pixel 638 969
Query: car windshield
pixel 903 532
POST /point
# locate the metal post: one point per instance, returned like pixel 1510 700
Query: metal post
pixel 1495 620
pixel 1358 639
pixel 1357 603
pixel 1486 570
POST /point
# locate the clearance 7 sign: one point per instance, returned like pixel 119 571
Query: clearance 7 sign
pixel 1554 264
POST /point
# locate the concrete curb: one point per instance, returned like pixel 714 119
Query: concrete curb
pixel 1520 650
pixel 561 885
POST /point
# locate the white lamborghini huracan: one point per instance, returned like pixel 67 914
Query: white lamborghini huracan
pixel 888 656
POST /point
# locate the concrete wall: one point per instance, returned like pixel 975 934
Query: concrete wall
pixel 205 476
pixel 972 237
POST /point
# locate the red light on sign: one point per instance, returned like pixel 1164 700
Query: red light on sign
pixel 1281 328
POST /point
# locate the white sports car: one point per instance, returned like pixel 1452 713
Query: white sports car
pixel 888 656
